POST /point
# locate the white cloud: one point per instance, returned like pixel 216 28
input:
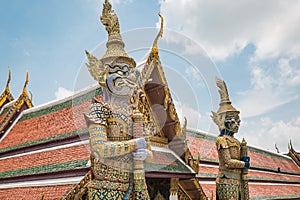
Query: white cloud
pixel 121 1
pixel 224 29
pixel 193 116
pixel 61 93
pixel 271 87
pixel 265 132
pixel 186 45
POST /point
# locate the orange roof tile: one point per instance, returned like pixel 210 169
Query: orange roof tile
pixel 45 158
pixel 51 192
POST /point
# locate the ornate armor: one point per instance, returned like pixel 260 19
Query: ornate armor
pixel 111 157
pixel 230 167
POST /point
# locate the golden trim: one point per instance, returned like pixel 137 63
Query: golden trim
pixel 159 141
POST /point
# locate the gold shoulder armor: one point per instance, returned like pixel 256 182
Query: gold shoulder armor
pixel 221 143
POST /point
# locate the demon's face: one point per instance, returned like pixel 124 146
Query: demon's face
pixel 121 79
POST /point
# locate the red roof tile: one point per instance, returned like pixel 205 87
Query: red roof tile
pixel 51 192
pixel 45 158
pixel 48 125
pixel 257 190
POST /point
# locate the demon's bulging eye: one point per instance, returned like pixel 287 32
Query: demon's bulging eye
pixel 125 68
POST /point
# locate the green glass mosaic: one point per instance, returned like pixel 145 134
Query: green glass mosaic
pixel 200 135
pixel 205 175
pixel 276 197
pixel 273 179
pixel 77 164
pixel 5 110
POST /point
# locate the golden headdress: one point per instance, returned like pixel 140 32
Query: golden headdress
pixel 115 45
pixel 225 104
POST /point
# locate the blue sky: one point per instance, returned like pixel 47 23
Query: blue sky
pixel 253 45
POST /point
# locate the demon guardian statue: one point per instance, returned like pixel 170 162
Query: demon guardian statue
pixel 117 155
pixel 231 182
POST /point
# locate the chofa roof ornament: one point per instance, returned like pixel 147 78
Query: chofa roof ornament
pixel 115 45
pixel 154 50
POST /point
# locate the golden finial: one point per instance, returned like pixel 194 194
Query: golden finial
pixel 9 77
pixel 244 143
pixel 160 33
pixel 7 91
pixel 26 83
pixel 154 50
pixel 27 78
pixel 277 149
pixel 6 96
pixel 291 145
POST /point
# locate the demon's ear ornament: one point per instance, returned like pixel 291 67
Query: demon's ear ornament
pixel 96 68
pixel 219 120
